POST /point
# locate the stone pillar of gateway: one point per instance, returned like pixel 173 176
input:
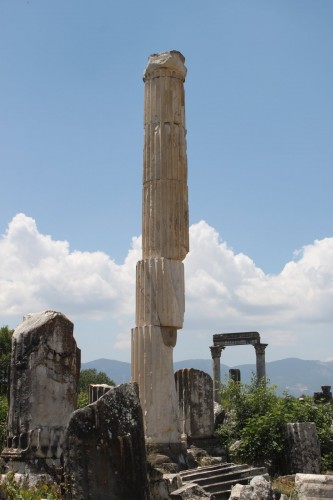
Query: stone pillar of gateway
pixel 260 361
pixel 160 291
pixel 216 351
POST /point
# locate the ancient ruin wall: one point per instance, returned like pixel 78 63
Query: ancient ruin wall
pixel 44 373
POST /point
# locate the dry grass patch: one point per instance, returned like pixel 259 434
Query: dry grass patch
pixel 286 484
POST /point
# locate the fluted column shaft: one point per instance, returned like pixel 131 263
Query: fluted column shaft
pixel 160 303
pixel 165 231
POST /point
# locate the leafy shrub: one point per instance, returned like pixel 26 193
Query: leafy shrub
pixel 256 419
pixel 3 420
pixel 82 399
pixel 11 490
pixel 5 352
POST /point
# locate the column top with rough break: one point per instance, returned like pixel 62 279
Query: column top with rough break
pixel 165 64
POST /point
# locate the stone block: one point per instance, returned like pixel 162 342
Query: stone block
pixel 258 489
pixel 104 448
pixel 165 227
pixel 96 391
pixel 152 369
pixel 196 403
pixel 325 396
pixel 44 373
pixel 160 294
pixel 303 448
pixel 235 374
pixel 314 486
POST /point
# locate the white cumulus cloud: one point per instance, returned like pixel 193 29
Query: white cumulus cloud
pixel 228 292
pixel 39 273
pixel 225 291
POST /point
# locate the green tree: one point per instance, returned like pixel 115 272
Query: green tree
pixel 3 419
pixel 5 351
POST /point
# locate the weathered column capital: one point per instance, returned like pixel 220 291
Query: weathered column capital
pixel 216 350
pixel 260 348
pixel 165 64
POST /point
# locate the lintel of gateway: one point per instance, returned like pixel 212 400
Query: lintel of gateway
pixel 240 338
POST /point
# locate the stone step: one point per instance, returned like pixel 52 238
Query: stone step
pixel 205 472
pixel 210 481
pixel 221 486
pixel 219 479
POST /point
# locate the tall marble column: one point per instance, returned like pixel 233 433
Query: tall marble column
pixel 260 361
pixel 216 351
pixel 160 295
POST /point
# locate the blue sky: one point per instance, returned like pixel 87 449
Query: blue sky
pixel 259 112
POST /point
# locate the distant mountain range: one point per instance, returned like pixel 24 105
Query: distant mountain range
pixel 297 376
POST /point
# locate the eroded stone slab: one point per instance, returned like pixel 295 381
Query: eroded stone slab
pixel 44 375
pixel 258 489
pixel 104 448
pixel 303 448
pixel 96 391
pixel 196 403
pixel 314 486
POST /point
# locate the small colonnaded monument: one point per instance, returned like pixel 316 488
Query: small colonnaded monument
pixel 160 295
pixel 223 340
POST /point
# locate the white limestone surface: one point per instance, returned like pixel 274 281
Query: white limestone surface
pixel 43 388
pixel 314 486
pixel 152 369
pixel 160 294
